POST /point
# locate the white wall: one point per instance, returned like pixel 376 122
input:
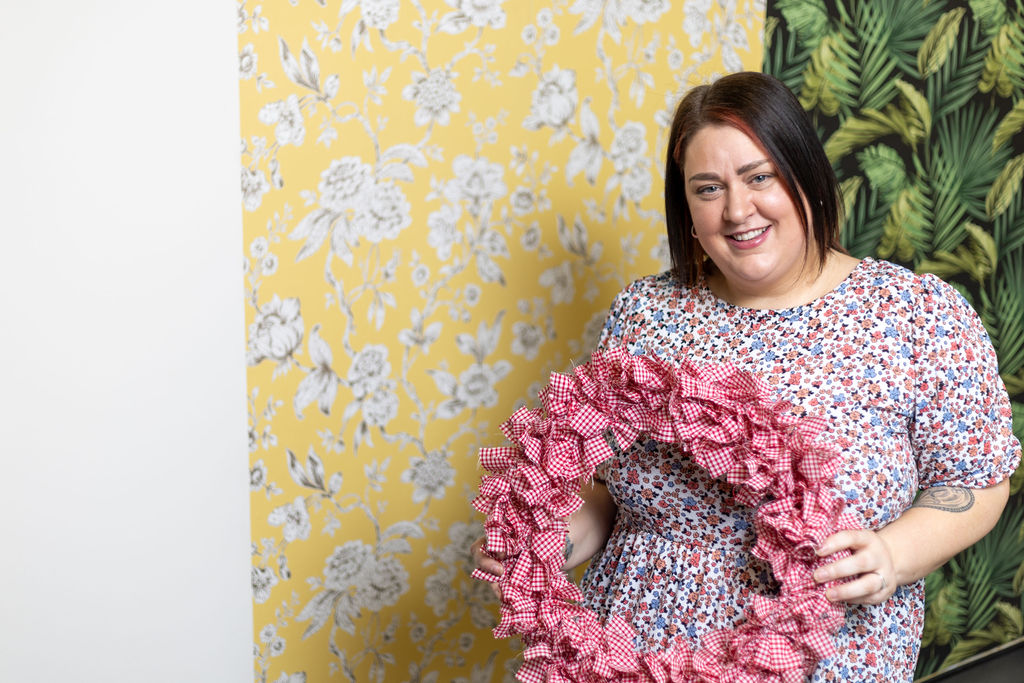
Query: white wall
pixel 123 471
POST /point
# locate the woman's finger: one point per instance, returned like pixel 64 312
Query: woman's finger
pixel 850 566
pixel 869 588
pixel 490 566
pixel 850 539
pixel 859 577
pixel 486 563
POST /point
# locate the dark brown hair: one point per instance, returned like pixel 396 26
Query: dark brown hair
pixel 764 109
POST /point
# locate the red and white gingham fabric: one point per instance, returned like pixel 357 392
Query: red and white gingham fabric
pixel 736 430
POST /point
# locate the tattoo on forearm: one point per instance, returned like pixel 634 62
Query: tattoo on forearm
pixel 568 548
pixel 946 498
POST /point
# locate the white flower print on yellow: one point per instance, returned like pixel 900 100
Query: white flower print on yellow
pixel 286 117
pixel 440 199
pixel 554 100
pixel 254 186
pixel 276 332
pixel 435 96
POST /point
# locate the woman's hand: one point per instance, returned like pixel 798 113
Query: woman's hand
pixel 486 564
pixel 942 521
pixel 870 568
pixel 588 530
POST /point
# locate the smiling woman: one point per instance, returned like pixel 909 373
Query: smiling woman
pixel 747 224
pixel 892 361
pixel 756 123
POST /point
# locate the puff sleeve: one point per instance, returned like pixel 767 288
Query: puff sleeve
pixel 612 334
pixel 961 427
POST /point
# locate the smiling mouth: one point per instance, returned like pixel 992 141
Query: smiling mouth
pixel 748 235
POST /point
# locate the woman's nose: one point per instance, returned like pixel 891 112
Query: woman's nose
pixel 738 205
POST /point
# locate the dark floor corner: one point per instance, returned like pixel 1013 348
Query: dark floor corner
pixel 1004 664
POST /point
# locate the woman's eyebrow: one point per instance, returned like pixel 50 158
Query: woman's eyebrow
pixel 703 176
pixel 751 166
pixel 745 168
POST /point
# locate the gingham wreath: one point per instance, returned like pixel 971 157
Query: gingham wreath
pixel 734 428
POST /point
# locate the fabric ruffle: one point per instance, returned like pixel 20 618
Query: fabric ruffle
pixel 734 427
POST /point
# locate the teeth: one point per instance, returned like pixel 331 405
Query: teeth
pixel 744 236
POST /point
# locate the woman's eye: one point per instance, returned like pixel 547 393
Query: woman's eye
pixel 707 189
pixel 760 178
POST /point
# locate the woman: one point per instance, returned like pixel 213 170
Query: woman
pixel 898 363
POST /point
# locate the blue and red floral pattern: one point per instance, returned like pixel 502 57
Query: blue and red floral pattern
pixel 904 372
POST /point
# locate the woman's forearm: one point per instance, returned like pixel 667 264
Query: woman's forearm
pixel 590 526
pixel 942 521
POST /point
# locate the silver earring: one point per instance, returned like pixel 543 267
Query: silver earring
pixel 693 232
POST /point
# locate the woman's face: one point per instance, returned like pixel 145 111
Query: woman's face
pixel 744 220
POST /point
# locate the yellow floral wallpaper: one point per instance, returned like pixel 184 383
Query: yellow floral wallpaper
pixel 441 199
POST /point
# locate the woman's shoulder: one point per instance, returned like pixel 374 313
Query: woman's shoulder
pixel 928 302
pixel 664 279
pixel 917 289
pixel 881 273
pixel 653 287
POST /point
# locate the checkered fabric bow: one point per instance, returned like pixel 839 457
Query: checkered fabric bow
pixel 734 428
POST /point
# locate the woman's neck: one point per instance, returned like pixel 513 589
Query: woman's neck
pixel 810 285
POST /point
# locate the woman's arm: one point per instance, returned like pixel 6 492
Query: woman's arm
pixel 942 521
pixel 589 528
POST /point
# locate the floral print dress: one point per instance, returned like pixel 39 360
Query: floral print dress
pixel 904 371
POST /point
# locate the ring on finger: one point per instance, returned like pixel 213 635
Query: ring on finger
pixel 884 584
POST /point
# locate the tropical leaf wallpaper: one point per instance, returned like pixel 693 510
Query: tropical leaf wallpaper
pixel 441 199
pixel 921 108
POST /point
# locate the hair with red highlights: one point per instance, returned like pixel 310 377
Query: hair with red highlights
pixel 764 109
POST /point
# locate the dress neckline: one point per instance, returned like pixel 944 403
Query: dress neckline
pixel 857 273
